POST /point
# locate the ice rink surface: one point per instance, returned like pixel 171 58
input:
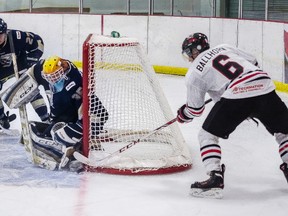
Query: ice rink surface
pixel 254 185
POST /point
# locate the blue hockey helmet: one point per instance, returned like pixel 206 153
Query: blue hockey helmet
pixel 3 26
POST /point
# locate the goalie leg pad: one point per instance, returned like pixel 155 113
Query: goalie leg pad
pixel 55 149
pixel 45 142
pixel 49 154
pixel 45 156
pixel 44 160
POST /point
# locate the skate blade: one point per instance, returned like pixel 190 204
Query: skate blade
pixel 214 193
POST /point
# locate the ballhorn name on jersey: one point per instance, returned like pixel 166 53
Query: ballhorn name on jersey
pixel 208 56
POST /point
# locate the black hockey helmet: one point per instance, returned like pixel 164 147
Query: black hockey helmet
pixel 3 26
pixel 197 41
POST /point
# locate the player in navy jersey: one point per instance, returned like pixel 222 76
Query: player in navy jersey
pixel 240 90
pixel 28 50
pixel 62 82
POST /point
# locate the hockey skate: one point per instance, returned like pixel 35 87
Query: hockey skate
pixel 284 168
pixel 212 187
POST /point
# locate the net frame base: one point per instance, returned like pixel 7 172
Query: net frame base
pixel 136 171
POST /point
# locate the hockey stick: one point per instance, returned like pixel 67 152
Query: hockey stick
pixel 22 109
pixel 85 160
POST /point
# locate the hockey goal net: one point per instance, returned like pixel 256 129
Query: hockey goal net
pixel 117 71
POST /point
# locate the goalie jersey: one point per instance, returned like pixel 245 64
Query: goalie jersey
pixel 64 103
pixel 28 49
pixel 225 71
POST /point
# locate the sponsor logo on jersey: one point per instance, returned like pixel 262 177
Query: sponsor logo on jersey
pixel 70 85
pixel 249 88
pixel 6 60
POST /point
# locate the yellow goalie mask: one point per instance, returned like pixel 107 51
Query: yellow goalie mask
pixel 54 71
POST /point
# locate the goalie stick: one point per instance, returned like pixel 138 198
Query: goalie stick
pixel 85 160
pixel 22 109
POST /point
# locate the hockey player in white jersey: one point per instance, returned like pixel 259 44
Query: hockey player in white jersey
pixel 240 90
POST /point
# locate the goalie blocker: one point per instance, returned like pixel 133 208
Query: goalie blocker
pixel 21 92
pixel 55 144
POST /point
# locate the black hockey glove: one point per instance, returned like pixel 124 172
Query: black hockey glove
pixel 181 116
pixel 6 119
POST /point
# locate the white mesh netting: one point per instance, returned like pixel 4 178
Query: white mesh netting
pixel 119 74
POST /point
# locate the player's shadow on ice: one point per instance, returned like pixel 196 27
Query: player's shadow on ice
pixel 257 191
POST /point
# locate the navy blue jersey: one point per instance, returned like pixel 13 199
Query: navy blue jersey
pixel 64 105
pixel 28 49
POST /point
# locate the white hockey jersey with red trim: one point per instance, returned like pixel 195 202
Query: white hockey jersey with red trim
pixel 224 71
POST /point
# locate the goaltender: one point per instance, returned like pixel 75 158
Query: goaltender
pixel 56 141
